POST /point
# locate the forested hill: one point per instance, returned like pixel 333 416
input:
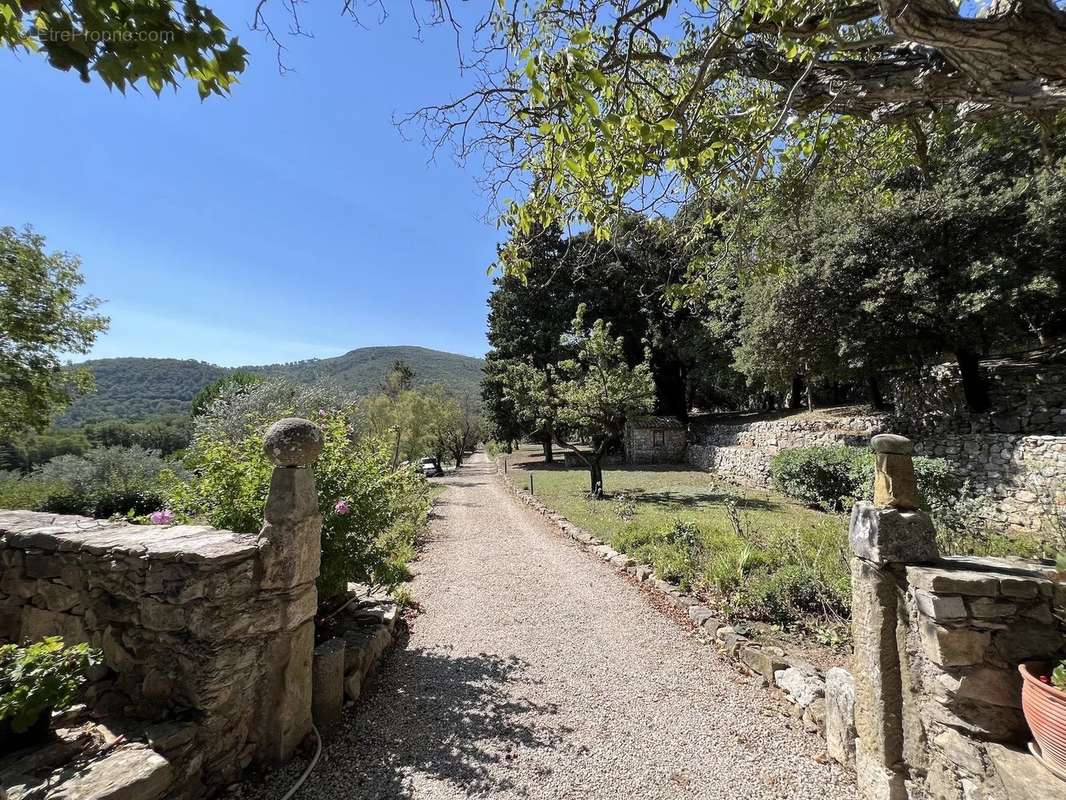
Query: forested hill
pixel 131 388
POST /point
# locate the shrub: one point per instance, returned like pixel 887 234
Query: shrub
pixel 24 492
pixel 237 408
pixel 825 477
pixel 833 478
pixel 104 482
pixel 372 512
pixel 41 676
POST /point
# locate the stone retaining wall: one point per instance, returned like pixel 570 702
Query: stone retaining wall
pixel 207 632
pixel 937 645
pixel 1027 396
pixel 189 619
pixel 1022 477
pixel 970 622
pixel 742 452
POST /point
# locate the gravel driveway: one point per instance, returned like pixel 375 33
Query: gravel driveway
pixel 536 671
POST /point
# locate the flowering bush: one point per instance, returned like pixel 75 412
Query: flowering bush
pixel 162 517
pixel 372 512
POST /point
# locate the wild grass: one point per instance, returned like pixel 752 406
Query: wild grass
pixel 754 554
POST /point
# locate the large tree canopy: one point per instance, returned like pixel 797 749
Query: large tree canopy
pixel 158 41
pixel 166 42
pixel 588 105
pixel 963 257
pixel 608 104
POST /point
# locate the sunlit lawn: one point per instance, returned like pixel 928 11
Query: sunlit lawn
pixel 756 555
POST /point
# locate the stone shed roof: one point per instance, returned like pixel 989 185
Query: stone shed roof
pixel 656 421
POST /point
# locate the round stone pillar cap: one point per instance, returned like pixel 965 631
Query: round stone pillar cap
pixel 293 442
pixel 892 443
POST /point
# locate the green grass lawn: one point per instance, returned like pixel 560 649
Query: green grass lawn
pixel 755 555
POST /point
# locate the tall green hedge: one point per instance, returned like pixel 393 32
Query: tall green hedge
pixel 835 477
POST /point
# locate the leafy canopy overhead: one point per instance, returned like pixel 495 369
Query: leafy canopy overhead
pixel 585 107
pixel 126 41
pixel 160 42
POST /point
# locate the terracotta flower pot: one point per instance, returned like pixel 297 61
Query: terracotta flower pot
pixel 1045 711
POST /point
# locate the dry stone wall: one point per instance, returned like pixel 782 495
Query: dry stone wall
pixel 937 643
pixel 969 623
pixel 1014 455
pixel 208 636
pixel 190 622
pixel 743 452
pixel 1022 477
pixel 1026 397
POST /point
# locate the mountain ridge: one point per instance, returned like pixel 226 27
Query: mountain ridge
pixel 134 386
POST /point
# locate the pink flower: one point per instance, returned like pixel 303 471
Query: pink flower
pixel 342 507
pixel 164 517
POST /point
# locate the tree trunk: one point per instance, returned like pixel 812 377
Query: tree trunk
pixel 549 454
pixel 596 476
pixel 873 391
pixel 973 383
pixel 794 394
pixel 810 397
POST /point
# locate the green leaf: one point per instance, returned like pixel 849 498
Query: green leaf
pixel 591 104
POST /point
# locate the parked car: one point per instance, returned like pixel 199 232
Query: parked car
pixel 431 467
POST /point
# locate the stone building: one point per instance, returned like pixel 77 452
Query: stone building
pixel 655 440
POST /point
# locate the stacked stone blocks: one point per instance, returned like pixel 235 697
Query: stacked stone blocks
pixel 937 642
pixel 970 622
pixel 196 625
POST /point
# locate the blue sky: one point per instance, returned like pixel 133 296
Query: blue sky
pixel 288 221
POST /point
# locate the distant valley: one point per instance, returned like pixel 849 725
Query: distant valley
pixel 131 388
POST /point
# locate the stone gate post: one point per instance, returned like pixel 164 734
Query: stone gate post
pixel 885 535
pixel 290 545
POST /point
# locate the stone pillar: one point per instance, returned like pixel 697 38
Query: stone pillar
pixel 884 536
pixel 894 482
pixel 290 546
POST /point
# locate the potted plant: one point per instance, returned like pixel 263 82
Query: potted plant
pixel 36 680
